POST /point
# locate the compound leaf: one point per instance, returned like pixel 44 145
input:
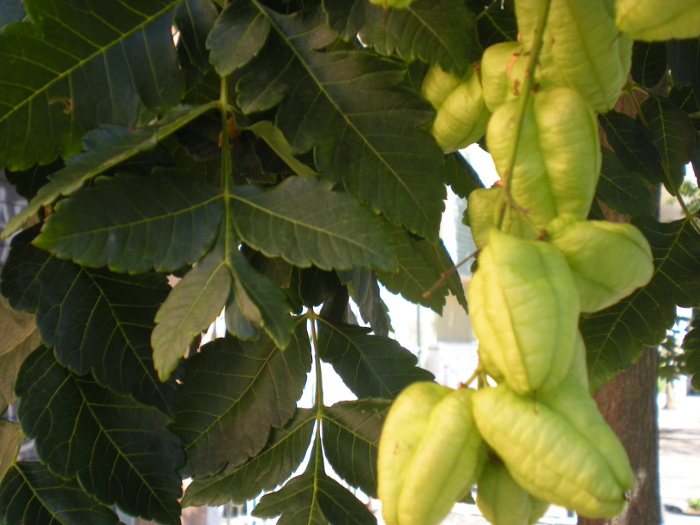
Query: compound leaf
pixel 171 220
pixel 121 452
pixel 282 454
pixel 233 392
pixel 30 493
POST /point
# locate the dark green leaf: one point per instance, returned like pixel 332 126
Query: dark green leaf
pixel 673 135
pixel 122 452
pixel 194 19
pixel 171 220
pixel 621 189
pixel 29 493
pixel 420 265
pixel 233 393
pixel 238 35
pixel 305 222
pixel 615 336
pixel 276 141
pixel 684 62
pixel 351 432
pixel 346 17
pixel 105 147
pixel 497 23
pixel 370 365
pixel 11 438
pixel 633 144
pixel 260 301
pixel 438 32
pixel 460 175
pixel 280 457
pixel 350 108
pixel 97 320
pixel 648 63
pixel 314 498
pixel 364 290
pixel 691 347
pixel 28 182
pixel 194 303
pixel 75 67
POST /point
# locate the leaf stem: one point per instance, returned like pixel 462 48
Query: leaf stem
pixel 318 402
pixel 446 275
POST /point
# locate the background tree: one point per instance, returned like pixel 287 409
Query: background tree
pixel 274 157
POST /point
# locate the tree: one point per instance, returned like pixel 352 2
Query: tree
pixel 279 166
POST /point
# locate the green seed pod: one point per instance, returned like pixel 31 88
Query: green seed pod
pixel 579 367
pixel 484 206
pixel 403 430
pixel 525 308
pixel 461 116
pixel 503 68
pixel 557 447
pixel 583 48
pixel 609 260
pixel 558 154
pixel 447 463
pixel 502 501
pixel 658 19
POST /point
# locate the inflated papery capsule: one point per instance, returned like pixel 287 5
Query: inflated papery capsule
pixel 445 461
pixel 609 260
pixel 502 501
pixel 558 157
pixel 658 19
pixel 503 69
pixel 557 447
pixel 461 115
pixel 583 48
pixel 525 306
pixel 402 432
pixel 485 208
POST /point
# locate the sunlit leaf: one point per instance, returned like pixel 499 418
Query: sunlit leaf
pixel 190 308
pixel 10 440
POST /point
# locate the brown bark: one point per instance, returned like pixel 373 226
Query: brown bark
pixel 628 403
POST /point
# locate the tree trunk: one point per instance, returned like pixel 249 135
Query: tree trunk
pixel 628 403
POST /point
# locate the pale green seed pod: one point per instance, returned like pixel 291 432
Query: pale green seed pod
pixel 462 115
pixel 557 447
pixel 485 206
pixel 652 20
pixel 558 154
pixel 609 260
pixel 579 367
pixel 447 463
pixel 524 306
pixel 503 70
pixel 403 430
pixel 583 48
pixel 502 501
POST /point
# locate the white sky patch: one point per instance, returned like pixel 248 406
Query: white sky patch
pixel 482 162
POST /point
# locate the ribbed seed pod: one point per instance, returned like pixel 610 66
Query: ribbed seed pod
pixel 557 447
pixel 609 260
pixel 502 501
pixel 484 209
pixel 461 116
pixel 430 454
pixel 658 19
pixel 503 68
pixel 403 430
pixel 558 154
pixel 525 308
pixel 583 48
